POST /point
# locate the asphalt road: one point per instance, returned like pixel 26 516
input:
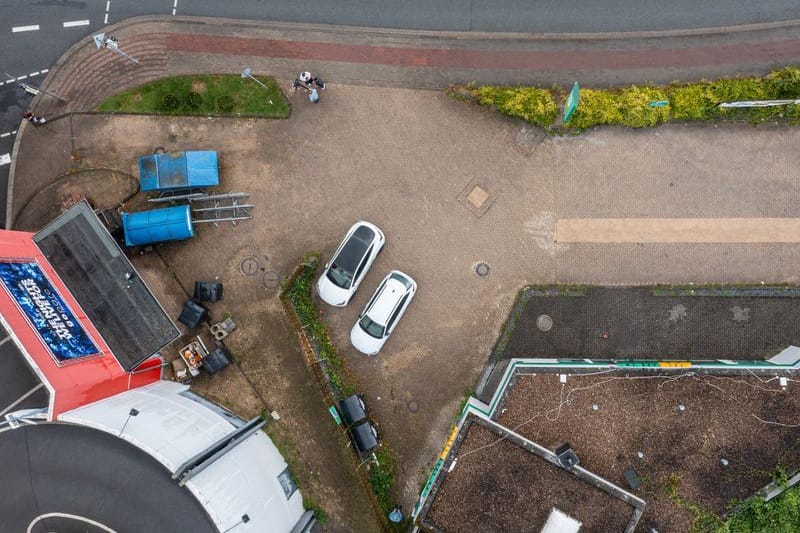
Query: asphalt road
pixel 60 477
pixel 34 33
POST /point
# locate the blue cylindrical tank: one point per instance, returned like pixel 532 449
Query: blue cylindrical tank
pixel 158 225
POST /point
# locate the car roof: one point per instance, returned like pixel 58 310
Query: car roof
pixel 354 248
pixel 387 300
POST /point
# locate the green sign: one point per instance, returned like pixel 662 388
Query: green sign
pixel 335 415
pixel 573 100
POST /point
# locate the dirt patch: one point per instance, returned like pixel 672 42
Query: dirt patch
pixel 198 86
pixel 684 426
pixel 103 188
pixel 502 487
pixel 609 322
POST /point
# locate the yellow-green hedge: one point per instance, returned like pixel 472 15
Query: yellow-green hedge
pixel 630 107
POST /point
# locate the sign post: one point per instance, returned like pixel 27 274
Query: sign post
pixel 573 99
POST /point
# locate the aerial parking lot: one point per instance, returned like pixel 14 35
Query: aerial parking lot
pixel 406 174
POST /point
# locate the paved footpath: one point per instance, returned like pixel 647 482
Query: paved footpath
pixel 396 58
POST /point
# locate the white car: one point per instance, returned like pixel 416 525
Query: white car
pixel 381 315
pixel 344 273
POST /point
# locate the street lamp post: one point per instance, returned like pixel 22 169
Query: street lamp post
pixel 248 73
pixel 131 413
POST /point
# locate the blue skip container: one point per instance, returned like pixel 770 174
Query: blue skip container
pixel 158 225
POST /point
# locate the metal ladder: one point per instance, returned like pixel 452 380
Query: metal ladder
pixel 216 208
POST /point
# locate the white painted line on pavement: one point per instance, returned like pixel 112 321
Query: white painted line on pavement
pixel 6 134
pixel 44 71
pixel 32 74
pixel 74 23
pixel 89 521
pixel 5 159
pixel 108 7
pixel 17 29
pixel 174 7
pixel 23 77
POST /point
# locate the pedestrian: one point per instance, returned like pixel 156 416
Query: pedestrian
pixel 396 516
pixel 309 82
pixel 36 120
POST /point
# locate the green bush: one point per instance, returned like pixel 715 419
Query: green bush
pixel 532 104
pixel 691 102
pixel 596 107
pixel 194 100
pixel 630 107
pixel 225 103
pixel 785 82
pixel 169 102
pixel 636 111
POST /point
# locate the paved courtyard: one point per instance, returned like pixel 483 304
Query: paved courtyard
pixel 406 160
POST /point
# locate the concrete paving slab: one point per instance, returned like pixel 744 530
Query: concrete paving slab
pixel 653 230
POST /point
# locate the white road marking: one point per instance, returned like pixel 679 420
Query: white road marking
pixel 5 159
pixel 174 7
pixel 17 29
pixel 89 521
pixel 32 74
pixel 108 7
pixel 44 71
pixel 74 23
pixel 23 77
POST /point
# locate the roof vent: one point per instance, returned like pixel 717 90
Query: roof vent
pixel 566 456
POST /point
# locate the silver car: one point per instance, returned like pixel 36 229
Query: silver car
pixel 381 315
pixel 350 264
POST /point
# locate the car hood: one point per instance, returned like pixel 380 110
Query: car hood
pixel 364 343
pixel 331 294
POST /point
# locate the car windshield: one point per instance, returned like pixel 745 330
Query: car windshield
pixel 373 329
pixel 349 257
pixel 339 276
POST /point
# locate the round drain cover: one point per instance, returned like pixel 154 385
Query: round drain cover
pixel 482 269
pixel 249 266
pixel 544 322
pixel 271 279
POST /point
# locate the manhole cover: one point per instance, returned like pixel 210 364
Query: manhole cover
pixel 477 197
pixel 544 322
pixel 249 266
pixel 412 407
pixel 482 269
pixel 271 279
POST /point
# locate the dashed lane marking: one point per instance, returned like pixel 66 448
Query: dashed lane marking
pixel 24 76
pixel 5 159
pixel 7 134
pixel 108 7
pixel 74 23
pixel 17 29
pixel 174 7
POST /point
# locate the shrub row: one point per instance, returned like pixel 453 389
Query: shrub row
pixel 630 107
pixel 381 475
